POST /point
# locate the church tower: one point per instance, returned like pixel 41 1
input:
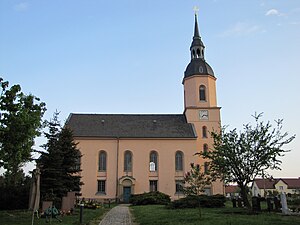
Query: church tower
pixel 200 100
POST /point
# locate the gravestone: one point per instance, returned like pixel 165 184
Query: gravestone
pixel 233 202
pixel 240 202
pixel 284 207
pixel 68 202
pixel 277 204
pixel 256 204
pixel 269 204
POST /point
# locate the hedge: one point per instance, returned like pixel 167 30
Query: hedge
pixel 150 198
pixel 213 201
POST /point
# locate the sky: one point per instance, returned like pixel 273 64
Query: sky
pixel 129 56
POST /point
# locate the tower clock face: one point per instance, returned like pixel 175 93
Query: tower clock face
pixel 203 114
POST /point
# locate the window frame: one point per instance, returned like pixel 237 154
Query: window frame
pixel 127 161
pixel 154 160
pixel 206 167
pixel 179 161
pixel 101 187
pixel 202 93
pixel 102 161
pixel 153 183
pixel 179 186
pixel 204 132
pixel 205 147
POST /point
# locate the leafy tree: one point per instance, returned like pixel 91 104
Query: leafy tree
pixel 60 164
pixel 15 197
pixel 195 182
pixel 20 122
pixel 241 156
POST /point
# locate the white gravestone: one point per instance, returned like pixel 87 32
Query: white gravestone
pixel 284 208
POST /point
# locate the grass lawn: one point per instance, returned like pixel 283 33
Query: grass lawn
pixel 90 216
pixel 157 214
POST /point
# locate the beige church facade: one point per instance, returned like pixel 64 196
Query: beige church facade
pixel 124 154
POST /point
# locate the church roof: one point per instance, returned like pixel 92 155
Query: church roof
pixel 198 67
pixel 130 126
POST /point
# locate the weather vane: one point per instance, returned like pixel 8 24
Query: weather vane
pixel 196 10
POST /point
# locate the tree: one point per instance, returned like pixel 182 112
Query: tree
pixel 50 162
pixel 71 159
pixel 60 164
pixel 240 157
pixel 196 181
pixel 20 122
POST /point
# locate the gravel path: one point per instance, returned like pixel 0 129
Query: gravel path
pixel 118 215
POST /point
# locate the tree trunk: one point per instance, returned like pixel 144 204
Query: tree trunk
pixel 245 196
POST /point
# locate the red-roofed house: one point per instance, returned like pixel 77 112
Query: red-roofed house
pixel 232 191
pixel 286 185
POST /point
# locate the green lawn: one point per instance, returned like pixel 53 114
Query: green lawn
pixel 90 216
pixel 157 214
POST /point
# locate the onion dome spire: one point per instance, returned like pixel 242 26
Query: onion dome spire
pixel 197 46
pixel 197 66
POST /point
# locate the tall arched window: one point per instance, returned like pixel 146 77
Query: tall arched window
pixel 205 148
pixel 202 93
pixel 102 161
pixel 179 161
pixel 206 168
pixel 204 132
pixel 127 161
pixel 153 161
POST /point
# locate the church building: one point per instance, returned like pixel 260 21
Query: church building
pixel 124 154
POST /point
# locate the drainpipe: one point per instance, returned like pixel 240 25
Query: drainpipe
pixel 117 171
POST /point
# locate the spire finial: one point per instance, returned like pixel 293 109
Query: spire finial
pixel 196 10
pixel 196 30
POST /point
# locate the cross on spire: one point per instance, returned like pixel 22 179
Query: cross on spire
pixel 196 10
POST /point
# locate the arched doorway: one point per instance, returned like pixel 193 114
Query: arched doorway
pixel 126 184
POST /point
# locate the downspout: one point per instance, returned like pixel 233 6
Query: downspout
pixel 117 171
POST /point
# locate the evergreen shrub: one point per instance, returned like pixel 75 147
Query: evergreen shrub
pixel 150 198
pixel 191 201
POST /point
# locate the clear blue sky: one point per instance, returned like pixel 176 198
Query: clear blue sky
pixel 128 56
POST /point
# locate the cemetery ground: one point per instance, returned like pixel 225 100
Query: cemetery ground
pixel 158 215
pixel 23 217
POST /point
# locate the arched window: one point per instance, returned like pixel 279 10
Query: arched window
pixel 206 168
pixel 198 53
pixel 179 161
pixel 153 161
pixel 202 93
pixel 127 161
pixel 205 148
pixel 102 161
pixel 204 132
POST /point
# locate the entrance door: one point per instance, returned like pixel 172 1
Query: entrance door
pixel 126 194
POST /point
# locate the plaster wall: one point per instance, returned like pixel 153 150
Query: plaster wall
pixel 140 149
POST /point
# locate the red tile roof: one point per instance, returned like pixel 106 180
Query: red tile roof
pixel 231 189
pixel 292 183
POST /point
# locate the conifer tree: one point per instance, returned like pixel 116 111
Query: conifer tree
pixel 52 186
pixel 71 159
pixel 60 165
